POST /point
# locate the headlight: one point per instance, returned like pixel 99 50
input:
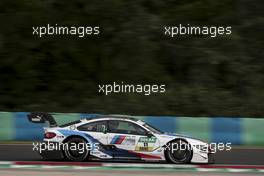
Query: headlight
pixel 203 148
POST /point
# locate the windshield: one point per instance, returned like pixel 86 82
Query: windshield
pixel 153 129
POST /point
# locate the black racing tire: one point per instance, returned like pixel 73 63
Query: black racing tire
pixel 73 153
pixel 178 155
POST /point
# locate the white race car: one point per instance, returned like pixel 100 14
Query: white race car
pixel 116 137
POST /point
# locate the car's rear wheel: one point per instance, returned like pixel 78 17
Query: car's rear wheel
pixel 179 151
pixel 76 150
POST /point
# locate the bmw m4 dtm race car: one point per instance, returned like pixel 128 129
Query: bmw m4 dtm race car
pixel 116 137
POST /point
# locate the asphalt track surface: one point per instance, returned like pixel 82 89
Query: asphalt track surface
pixel 113 173
pixel 237 156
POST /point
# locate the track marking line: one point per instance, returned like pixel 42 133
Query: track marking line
pixel 84 168
pixel 5 162
pixel 208 170
pixel 52 167
pixel 240 170
pixel 23 166
pixel 135 166
pixel 149 165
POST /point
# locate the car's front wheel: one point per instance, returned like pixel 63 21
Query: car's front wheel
pixel 179 151
pixel 76 150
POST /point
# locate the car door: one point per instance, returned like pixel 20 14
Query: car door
pixel 130 136
pixel 96 129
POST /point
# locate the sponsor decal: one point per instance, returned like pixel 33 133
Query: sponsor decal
pixel 129 140
pixel 124 140
pixel 60 136
pixel 117 139
pixel 146 144
pixel 145 156
pixel 147 139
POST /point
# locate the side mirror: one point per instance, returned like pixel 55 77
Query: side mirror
pixel 149 134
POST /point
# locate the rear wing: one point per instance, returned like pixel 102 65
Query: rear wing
pixel 42 117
